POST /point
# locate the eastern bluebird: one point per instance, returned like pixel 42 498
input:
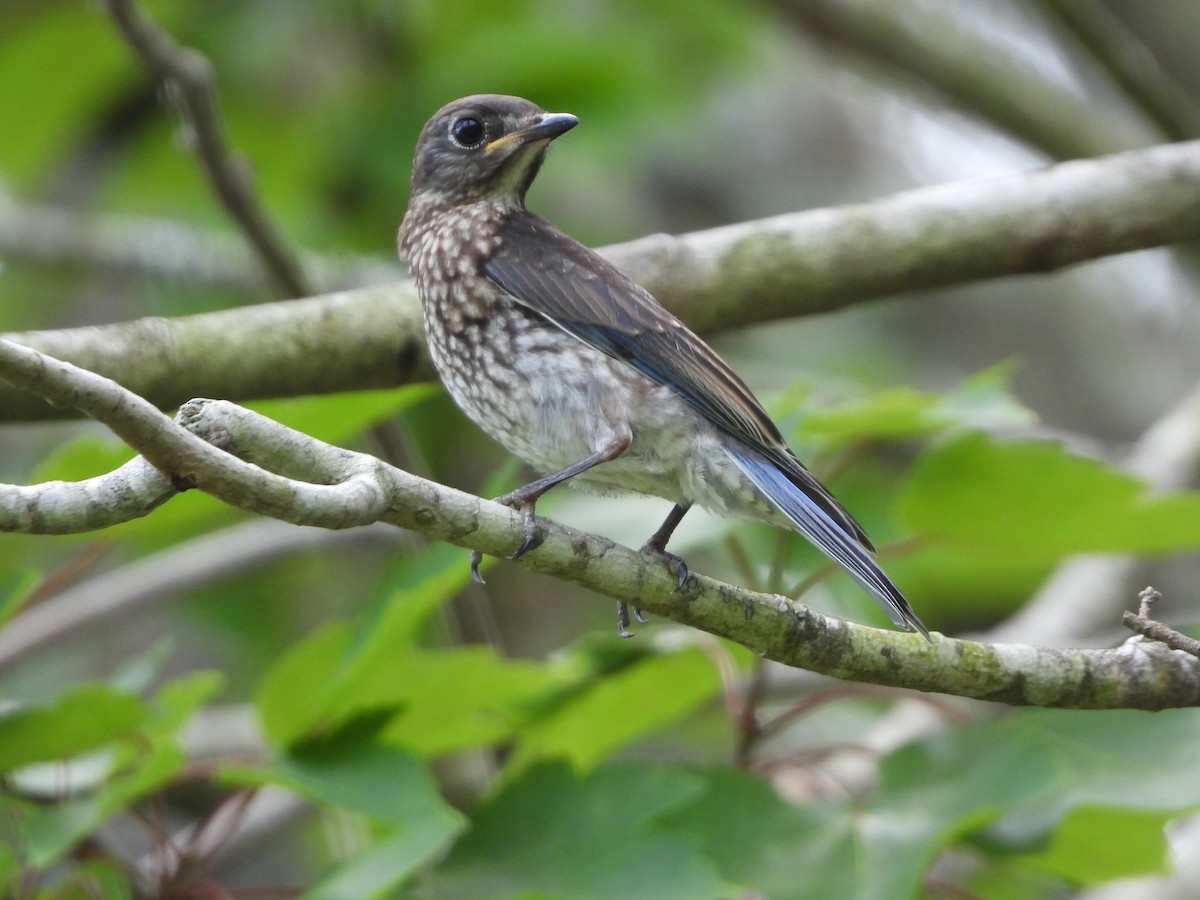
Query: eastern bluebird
pixel 575 368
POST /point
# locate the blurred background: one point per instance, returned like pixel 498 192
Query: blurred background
pixel 694 114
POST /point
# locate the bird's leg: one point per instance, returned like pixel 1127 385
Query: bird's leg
pixel 657 547
pixel 524 499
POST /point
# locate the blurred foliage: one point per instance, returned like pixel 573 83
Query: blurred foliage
pixel 446 746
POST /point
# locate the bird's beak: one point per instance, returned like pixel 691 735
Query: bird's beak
pixel 545 127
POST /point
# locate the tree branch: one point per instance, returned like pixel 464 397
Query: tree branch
pixel 336 488
pixel 789 265
pixel 165 249
pixel 1131 65
pixel 940 50
pixel 186 76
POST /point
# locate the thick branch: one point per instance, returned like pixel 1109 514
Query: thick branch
pixel 795 264
pixel 354 340
pixel 187 77
pixel 341 488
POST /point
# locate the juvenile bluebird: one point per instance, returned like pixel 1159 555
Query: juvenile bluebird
pixel 576 369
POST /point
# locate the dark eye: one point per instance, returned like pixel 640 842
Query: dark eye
pixel 467 132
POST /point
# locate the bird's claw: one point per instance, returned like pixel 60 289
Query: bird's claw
pixel 528 528
pixel 623 619
pixel 674 564
pixel 530 538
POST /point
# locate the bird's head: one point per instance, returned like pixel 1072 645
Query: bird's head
pixel 484 147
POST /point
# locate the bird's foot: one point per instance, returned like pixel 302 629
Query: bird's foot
pixel 623 619
pixel 476 559
pixel 674 564
pixel 525 504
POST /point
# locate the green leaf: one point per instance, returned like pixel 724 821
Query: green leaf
pixel 768 845
pixel 390 787
pixel 336 418
pixel 386 864
pixel 454 699
pixel 553 833
pixel 981 401
pixel 84 457
pixel 146 760
pixel 984 401
pixel 178 700
pixel 443 699
pixel 86 718
pixel 1097 844
pixel 1034 501
pixel 386 784
pixel 979 780
pixel 891 413
pixel 51 831
pixel 289 695
pixel 333 672
pixel 601 719
pixel 38 122
pixel 1115 772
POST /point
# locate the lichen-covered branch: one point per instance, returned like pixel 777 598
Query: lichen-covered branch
pixel 353 340
pixel 238 456
pixel 789 265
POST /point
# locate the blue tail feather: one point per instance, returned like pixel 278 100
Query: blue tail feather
pixel 828 536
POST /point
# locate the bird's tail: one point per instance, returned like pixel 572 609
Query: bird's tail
pixel 829 537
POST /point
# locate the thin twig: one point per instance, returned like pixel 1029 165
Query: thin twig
pixel 745 714
pixel 186 76
pixel 1163 634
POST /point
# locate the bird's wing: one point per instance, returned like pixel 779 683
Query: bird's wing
pixel 557 277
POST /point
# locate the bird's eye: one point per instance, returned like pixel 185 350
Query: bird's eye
pixel 467 132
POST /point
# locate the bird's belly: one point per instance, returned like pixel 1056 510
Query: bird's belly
pixel 553 401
